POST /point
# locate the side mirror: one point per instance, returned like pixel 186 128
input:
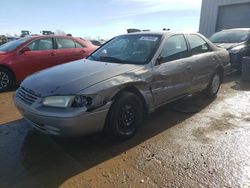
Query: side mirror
pixel 159 60
pixel 25 49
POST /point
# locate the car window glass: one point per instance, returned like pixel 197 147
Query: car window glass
pixel 136 49
pixel 63 43
pixel 12 45
pixel 78 45
pixel 119 44
pixel 41 44
pixel 174 48
pixel 128 49
pixel 197 44
pixel 230 36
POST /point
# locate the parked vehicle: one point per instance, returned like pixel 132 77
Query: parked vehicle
pixel 25 56
pixel 96 42
pixel 3 39
pixel 47 33
pixel 236 41
pixel 25 33
pixel 10 38
pixel 121 81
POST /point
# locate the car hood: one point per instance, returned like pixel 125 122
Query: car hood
pixel 70 78
pixel 228 46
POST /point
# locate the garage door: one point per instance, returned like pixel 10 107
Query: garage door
pixel 233 16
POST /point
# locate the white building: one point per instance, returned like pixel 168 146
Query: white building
pixel 223 14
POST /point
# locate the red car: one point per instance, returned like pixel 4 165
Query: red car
pixel 25 56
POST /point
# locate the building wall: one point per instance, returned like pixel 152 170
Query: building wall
pixel 209 14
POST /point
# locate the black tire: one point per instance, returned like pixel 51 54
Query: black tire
pixel 6 79
pixel 213 86
pixel 124 118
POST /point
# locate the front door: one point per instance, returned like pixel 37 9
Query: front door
pixel 40 56
pixel 172 75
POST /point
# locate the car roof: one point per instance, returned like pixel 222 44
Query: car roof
pixel 165 33
pixel 46 36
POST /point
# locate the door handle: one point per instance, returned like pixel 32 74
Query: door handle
pixel 189 67
pixel 52 54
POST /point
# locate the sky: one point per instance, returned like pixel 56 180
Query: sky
pixel 98 18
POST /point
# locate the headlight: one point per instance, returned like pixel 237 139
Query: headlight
pixel 236 49
pixel 79 101
pixel 58 101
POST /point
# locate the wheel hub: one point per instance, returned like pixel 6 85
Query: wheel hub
pixel 127 118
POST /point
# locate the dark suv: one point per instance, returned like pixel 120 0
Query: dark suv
pixel 236 41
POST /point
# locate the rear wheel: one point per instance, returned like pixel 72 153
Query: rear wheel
pixel 125 116
pixel 6 79
pixel 214 85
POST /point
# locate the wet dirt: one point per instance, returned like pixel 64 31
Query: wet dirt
pixel 8 111
pixel 208 148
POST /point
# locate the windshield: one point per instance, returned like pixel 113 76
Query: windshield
pixel 128 49
pixel 234 36
pixel 13 44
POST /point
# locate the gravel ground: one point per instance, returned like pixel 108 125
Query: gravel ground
pixel 207 148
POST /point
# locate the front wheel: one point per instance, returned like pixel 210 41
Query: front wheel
pixel 125 116
pixel 6 79
pixel 213 86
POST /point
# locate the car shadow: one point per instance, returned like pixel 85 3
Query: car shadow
pixel 238 84
pixel 14 88
pixel 39 160
pixel 232 77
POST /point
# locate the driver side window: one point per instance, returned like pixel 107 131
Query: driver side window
pixel 175 48
pixel 41 44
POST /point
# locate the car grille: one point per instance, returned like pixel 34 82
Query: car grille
pixel 26 96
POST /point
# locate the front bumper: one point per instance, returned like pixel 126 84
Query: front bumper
pixel 72 125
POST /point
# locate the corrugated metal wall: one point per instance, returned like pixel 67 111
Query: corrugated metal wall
pixel 209 13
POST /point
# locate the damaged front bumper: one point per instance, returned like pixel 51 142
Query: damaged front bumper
pixel 67 123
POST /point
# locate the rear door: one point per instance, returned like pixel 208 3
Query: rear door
pixel 203 60
pixel 68 50
pixel 172 76
pixel 40 56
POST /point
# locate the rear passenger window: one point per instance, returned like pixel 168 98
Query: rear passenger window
pixel 174 48
pixel 41 44
pixel 197 44
pixel 78 45
pixel 63 43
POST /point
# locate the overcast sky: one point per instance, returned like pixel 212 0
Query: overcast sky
pixel 98 18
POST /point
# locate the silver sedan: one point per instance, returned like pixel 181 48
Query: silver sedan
pixel 113 88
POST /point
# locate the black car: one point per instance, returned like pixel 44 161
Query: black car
pixel 236 41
